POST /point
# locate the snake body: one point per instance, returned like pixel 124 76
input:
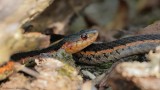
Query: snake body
pixel 85 51
pixel 99 53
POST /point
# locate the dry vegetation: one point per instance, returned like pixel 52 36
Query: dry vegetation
pixel 27 24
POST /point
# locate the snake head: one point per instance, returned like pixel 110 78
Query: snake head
pixel 78 41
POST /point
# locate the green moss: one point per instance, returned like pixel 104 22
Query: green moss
pixel 66 70
pixel 69 64
pixel 65 57
pixel 106 65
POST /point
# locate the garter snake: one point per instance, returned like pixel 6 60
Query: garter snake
pixel 97 53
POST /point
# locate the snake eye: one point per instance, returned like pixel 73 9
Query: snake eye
pixel 84 36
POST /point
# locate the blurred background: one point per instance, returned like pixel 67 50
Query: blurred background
pixel 112 18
